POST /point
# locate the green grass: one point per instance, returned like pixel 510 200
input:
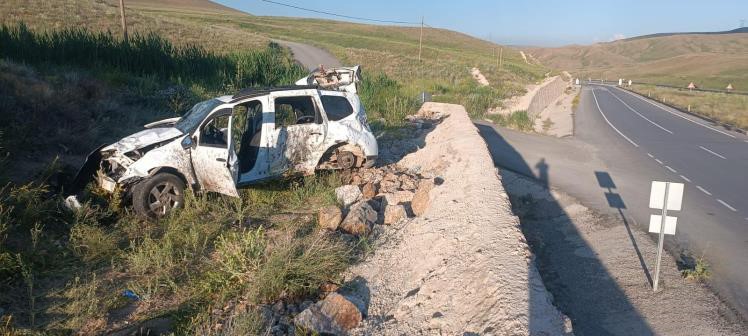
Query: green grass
pixel 519 120
pixel 214 250
pixel 726 108
pixel 148 55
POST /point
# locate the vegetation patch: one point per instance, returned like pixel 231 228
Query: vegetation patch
pixel 731 109
pixel 519 120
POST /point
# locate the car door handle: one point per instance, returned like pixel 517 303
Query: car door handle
pixel 221 160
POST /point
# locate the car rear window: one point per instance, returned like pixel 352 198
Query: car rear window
pixel 336 107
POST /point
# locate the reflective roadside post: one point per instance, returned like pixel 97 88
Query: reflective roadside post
pixel 665 196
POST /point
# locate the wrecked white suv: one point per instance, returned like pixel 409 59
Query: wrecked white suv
pixel 233 141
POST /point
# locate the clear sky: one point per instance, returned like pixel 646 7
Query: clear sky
pixel 532 22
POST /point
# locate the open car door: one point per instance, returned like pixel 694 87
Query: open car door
pixel 214 159
pixel 341 79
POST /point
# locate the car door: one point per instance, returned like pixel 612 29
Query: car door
pixel 251 123
pixel 299 131
pixel 213 158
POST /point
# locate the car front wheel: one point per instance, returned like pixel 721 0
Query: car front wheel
pixel 158 195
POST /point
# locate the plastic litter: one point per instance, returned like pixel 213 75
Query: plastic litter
pixel 130 295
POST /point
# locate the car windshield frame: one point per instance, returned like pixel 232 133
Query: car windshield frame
pixel 192 119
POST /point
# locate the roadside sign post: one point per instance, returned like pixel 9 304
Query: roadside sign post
pixel 665 196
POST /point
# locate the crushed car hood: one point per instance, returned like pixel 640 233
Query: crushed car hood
pixel 143 138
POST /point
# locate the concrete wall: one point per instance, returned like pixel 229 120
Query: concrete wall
pixel 545 96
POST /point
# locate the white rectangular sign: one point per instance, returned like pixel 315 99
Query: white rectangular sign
pixel 674 198
pixel 655 222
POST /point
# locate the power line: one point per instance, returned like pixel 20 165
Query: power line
pixel 340 15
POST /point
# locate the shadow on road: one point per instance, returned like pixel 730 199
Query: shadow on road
pixel 615 201
pixel 582 287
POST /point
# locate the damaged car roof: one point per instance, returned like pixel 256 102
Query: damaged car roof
pixel 258 91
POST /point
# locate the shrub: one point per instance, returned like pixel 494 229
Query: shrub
pixel 298 266
pixel 384 99
pixel 699 273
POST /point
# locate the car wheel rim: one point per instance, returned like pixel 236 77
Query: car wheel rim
pixel 163 197
pixel 346 160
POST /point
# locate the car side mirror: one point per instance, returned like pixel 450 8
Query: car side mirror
pixel 188 142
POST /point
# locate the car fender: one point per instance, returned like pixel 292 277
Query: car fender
pixel 345 131
pixel 171 155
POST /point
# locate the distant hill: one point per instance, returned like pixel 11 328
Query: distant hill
pixel 191 5
pixel 734 31
pixel 709 59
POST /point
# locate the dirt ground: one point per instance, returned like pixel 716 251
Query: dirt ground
pixel 521 103
pixel 558 118
pixel 464 267
pixel 478 76
pixel 599 270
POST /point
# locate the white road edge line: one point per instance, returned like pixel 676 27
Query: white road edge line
pixel 713 153
pixel 678 115
pixel 639 114
pixel 650 155
pixel 608 121
pixel 727 205
pixel 704 190
pixel 671 169
pixel 658 161
pixel 685 178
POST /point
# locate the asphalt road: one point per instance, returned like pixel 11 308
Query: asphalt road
pixel 622 142
pixel 309 56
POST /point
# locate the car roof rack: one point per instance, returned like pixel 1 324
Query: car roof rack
pixel 259 91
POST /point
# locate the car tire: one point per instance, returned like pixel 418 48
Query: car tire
pixel 158 195
pixel 346 160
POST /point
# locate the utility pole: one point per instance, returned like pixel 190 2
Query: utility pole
pixel 501 58
pixel 420 41
pixel 124 21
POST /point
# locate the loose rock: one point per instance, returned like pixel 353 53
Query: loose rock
pixel 330 217
pixel 348 194
pixel 421 199
pixel 360 219
pixel 334 315
pixel 369 190
pixel 394 213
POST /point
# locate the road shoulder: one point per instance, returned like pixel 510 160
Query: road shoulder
pixel 596 266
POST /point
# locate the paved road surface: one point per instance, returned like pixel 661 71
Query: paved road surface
pixel 622 142
pixel 310 57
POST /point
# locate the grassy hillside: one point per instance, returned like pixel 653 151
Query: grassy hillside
pixel 447 55
pixel 709 60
